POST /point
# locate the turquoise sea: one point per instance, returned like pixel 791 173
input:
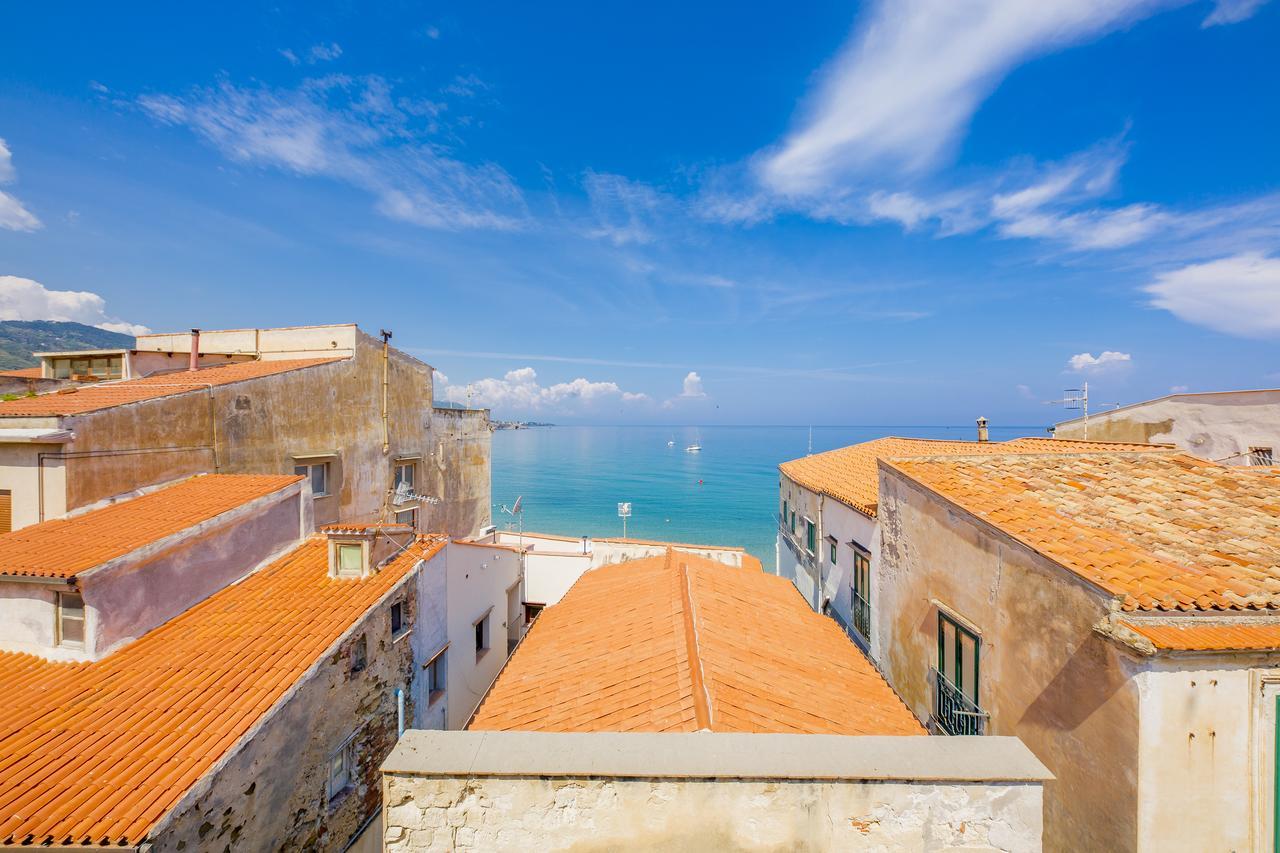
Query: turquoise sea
pixel 572 478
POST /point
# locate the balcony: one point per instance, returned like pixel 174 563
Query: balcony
pixel 954 713
pixel 801 554
pixel 861 616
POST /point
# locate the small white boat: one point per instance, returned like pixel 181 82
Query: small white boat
pixel 693 448
pixel 671 443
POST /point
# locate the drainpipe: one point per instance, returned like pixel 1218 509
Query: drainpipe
pixel 399 712
pixel 386 354
pixel 193 362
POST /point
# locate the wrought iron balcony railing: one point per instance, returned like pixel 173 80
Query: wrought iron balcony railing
pixel 861 616
pixel 953 711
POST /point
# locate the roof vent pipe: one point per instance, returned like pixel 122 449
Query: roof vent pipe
pixel 982 429
pixel 194 363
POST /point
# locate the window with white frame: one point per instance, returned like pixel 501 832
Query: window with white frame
pixel 398 623
pixel 405 475
pixel 342 767
pixel 349 559
pixel 436 677
pixel 408 516
pixel 69 617
pixel 318 474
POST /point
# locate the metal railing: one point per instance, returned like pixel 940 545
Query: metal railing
pixel 954 712
pixel 802 555
pixel 861 615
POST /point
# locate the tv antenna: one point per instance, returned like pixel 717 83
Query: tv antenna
pixel 516 510
pixel 1078 399
pixel 624 512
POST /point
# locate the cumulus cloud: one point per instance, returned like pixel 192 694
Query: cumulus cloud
pixel 1238 295
pixel 353 130
pixel 693 385
pixel 26 299
pixel 519 390
pixel 906 84
pixel 1103 362
pixel 13 213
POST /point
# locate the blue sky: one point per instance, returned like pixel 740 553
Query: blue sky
pixel 878 213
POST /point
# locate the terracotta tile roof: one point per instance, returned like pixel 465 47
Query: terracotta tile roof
pixel 680 643
pixel 105 395
pixel 65 547
pixel 97 753
pixel 849 474
pixel 24 372
pixel 1160 531
pixel 1216 637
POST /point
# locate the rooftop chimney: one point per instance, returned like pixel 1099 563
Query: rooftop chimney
pixel 194 363
pixel 982 429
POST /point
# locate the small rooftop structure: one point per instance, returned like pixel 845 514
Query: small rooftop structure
pixel 1159 531
pixel 66 547
pixel 98 753
pixel 849 474
pixel 682 643
pixel 106 395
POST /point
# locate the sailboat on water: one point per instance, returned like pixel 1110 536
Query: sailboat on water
pixel 695 447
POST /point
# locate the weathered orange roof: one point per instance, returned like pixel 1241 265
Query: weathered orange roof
pixel 97 753
pixel 849 474
pixel 1215 637
pixel 65 547
pixel 105 395
pixel 1160 531
pixel 681 643
pixel 24 372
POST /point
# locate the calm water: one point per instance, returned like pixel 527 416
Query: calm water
pixel 572 478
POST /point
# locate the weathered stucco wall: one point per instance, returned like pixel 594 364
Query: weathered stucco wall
pixel 1213 426
pixel 606 552
pixel 1045 675
pixel 271 793
pixel 693 792
pixel 461 475
pixel 479 577
pixel 21 468
pixel 27 620
pixel 430 637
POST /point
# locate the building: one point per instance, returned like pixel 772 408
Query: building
pixel 1117 612
pixel 196 668
pixel 350 412
pixel 828 527
pixel 675 702
pixel 1230 427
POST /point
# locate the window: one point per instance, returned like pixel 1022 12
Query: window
pixel 318 474
pixel 342 767
pixel 793 521
pixel 532 612
pixel 408 516
pixel 350 559
pixel 811 536
pixel 482 636
pixel 832 542
pixel 958 656
pixel 398 627
pixel 360 655
pixel 1261 456
pixel 861 584
pixel 70 620
pixel 785 506
pixel 405 474
pixel 61 368
pixel 436 675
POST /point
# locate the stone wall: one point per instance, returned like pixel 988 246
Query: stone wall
pixel 460 472
pixel 692 792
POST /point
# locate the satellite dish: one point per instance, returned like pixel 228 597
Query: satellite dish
pixel 516 507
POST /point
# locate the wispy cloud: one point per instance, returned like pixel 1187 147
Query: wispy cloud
pixel 1238 295
pixel 13 213
pixel 1232 12
pixel 625 211
pixel 27 299
pixel 324 52
pixel 519 391
pixel 354 130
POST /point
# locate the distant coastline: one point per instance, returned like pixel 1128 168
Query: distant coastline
pixel 518 424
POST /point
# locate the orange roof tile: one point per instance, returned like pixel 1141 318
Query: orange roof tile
pixel 24 373
pixel 849 474
pixel 683 643
pixel 65 547
pixel 1215 637
pixel 1160 531
pixel 97 753
pixel 105 395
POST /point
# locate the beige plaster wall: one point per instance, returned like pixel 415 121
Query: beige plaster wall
pixel 478 577
pixel 1045 675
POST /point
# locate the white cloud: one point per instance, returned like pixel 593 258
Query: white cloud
pixel 1178 389
pixel 519 390
pixel 324 52
pixel 1238 295
pixel 13 214
pixel 438 378
pixel 693 385
pixel 626 211
pixel 1102 363
pixel 903 89
pixel 352 130
pixel 289 55
pixel 1232 12
pixel 26 299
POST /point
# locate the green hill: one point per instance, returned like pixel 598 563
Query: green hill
pixel 20 338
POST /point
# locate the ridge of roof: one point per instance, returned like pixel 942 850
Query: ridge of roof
pixel 82 399
pixel 623 651
pixel 101 752
pixel 1157 531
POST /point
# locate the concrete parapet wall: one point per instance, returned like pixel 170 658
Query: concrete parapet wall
pixel 705 791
